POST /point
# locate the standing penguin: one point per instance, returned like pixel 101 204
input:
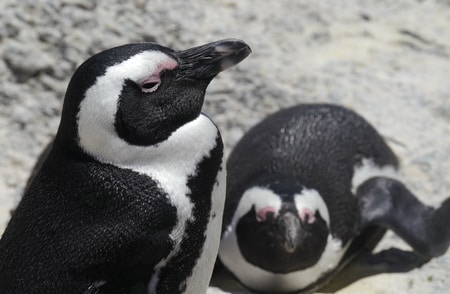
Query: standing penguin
pixel 129 197
pixel 311 190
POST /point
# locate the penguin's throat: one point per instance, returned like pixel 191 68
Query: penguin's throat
pixel 186 145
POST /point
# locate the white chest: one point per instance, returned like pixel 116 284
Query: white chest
pixel 170 163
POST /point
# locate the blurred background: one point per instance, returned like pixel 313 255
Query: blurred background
pixel 388 60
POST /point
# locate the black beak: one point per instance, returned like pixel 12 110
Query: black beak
pixel 206 61
pixel 291 226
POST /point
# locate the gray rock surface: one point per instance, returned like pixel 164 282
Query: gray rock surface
pixel 388 60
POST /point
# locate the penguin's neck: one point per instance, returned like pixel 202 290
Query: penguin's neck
pixel 176 156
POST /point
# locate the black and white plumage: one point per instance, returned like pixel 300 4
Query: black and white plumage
pixel 129 196
pixel 310 192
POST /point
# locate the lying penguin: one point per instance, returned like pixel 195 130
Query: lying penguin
pixel 310 191
pixel 129 197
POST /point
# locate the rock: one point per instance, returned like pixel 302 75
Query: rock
pixel 25 62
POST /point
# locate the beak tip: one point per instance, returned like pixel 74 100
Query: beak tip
pixel 290 248
pixel 227 45
pixel 206 61
pixel 233 51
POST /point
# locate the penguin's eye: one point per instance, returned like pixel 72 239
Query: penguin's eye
pixel 150 85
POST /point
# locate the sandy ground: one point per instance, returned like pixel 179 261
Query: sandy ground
pixel 388 60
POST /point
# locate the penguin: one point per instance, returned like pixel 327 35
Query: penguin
pixel 311 190
pixel 129 196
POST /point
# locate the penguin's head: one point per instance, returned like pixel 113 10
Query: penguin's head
pixel 141 93
pixel 281 227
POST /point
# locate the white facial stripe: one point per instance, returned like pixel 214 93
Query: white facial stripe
pixel 97 110
pixel 368 170
pixel 310 199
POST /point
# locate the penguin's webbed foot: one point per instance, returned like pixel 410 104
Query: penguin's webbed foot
pixel 387 202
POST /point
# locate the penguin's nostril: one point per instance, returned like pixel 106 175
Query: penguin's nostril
pixel 265 214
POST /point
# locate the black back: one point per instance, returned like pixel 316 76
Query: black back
pixel 316 146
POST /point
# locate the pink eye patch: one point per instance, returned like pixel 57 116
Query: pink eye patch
pixel 307 216
pixel 262 214
pixel 152 82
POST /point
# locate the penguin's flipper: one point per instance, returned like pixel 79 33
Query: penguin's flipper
pixel 387 202
pixel 367 264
